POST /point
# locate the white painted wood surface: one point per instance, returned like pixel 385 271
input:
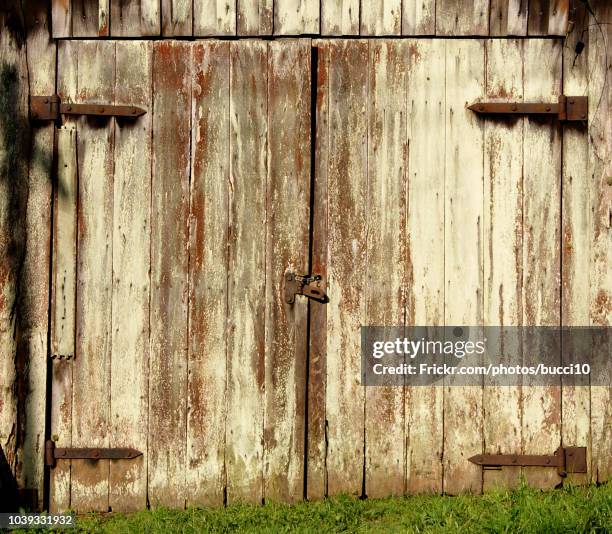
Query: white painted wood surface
pixel 541 254
pixel 208 274
pixel 418 17
pixel 214 17
pixel 385 270
pixel 340 17
pixel 463 252
pixel 248 153
pixel 293 17
pixel 503 233
pixel 426 104
pixel 209 18
pixel 381 17
pixel 130 272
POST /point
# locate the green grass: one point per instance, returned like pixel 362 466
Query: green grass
pixel 571 510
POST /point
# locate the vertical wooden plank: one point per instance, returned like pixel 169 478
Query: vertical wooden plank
pixel 600 175
pixel 381 17
pixel 426 104
pixel 462 17
pixel 463 251
pixel 14 138
pixel 61 15
pixel 61 378
pixel 287 249
pixel 169 273
pixel 517 17
pixel 214 17
pixel 576 244
pixel 63 306
pixel 131 284
pixel 541 254
pixel 538 17
pixel 177 18
pixel 316 445
pixel 247 264
pixel 64 295
pixel 503 229
pixel 131 18
pixel 91 366
pixel 295 17
pixel 255 17
pixel 498 17
pixel 35 281
pixel 386 257
pixel 340 17
pixel 103 18
pixel 346 257
pixel 89 18
pixel 558 17
pixel 418 17
pixel 208 274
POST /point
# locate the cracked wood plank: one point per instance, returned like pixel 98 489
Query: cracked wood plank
pixel 381 17
pixel 95 82
pixel 208 274
pixel 214 17
pixel 177 18
pixel 295 17
pixel 576 245
pixel 386 256
pixel 463 251
pixel 600 232
pixel 169 273
pixel 255 17
pixel 426 104
pixel 503 231
pixel 131 283
pixel 346 261
pixel 288 228
pixel 541 254
pixel 37 262
pixel 247 262
pixel 418 17
pixel 340 17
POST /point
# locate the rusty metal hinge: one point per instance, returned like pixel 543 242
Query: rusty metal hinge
pixel 565 460
pixel 569 108
pixel 308 286
pixel 53 453
pixel 50 108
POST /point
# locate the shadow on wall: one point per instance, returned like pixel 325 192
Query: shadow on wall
pixel 8 487
pixel 15 159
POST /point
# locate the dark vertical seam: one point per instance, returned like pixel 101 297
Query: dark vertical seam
pixel 314 59
pixel 188 340
pixel 113 124
pixel 48 362
pixel 482 318
pixel 328 67
pixel 227 261
pixel 444 392
pixel 367 238
pixel 561 129
pixel 266 280
pixel 151 215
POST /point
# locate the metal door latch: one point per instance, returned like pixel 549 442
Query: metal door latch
pixel 565 460
pixel 307 285
pixel 53 453
pixel 50 108
pixel 568 108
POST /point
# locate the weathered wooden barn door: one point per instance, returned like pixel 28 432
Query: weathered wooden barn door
pixel 173 233
pixel 427 214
